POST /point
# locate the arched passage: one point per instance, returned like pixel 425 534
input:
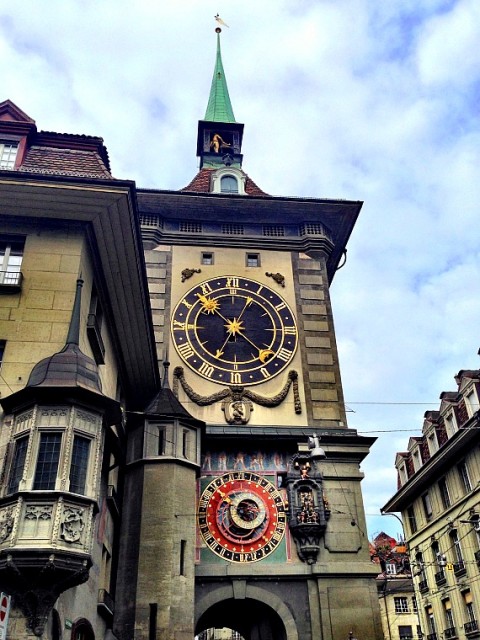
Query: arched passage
pixel 82 630
pixel 257 614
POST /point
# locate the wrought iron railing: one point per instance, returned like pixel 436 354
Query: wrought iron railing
pixel 471 626
pixel 440 577
pixel 11 278
pixel 423 585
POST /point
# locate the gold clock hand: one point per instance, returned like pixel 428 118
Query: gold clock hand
pixel 247 304
pixel 234 327
pixel 263 354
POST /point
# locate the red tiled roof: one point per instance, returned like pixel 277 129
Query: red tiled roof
pixel 201 184
pixel 67 162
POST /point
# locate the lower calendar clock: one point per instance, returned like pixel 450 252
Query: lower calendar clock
pixel 241 516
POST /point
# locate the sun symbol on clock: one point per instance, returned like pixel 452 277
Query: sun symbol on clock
pixel 209 305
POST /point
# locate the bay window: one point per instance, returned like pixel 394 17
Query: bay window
pixel 57 454
pixel 47 462
pixel 18 464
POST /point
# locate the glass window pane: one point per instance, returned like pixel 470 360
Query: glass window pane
pixel 47 462
pixel 228 184
pixel 18 464
pixel 8 153
pixel 79 465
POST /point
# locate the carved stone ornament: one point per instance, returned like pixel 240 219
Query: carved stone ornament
pixel 279 279
pixel 36 580
pixel 6 523
pixel 188 273
pixel 38 512
pixel 237 411
pixel 236 403
pixel 72 524
pixel 308 509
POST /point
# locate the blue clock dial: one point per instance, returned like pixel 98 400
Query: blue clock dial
pixel 234 330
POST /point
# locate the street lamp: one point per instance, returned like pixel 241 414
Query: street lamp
pixel 394 515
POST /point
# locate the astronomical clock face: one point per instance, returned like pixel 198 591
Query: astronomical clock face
pixel 241 516
pixel 233 330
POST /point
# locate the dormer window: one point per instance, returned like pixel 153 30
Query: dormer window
pixel 417 463
pixel 228 180
pixel 228 184
pixel 432 443
pixel 471 402
pixel 8 154
pixel 450 424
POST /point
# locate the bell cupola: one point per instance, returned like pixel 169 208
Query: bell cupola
pixel 219 142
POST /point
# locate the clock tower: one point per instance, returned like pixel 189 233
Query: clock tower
pixel 275 541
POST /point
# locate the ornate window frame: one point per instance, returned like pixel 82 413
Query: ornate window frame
pixel 69 422
pixel 240 177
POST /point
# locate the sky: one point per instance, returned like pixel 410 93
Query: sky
pixel 352 99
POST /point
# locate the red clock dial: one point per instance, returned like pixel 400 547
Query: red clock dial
pixel 241 516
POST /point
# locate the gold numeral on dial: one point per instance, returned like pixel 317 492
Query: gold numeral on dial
pixel 185 350
pixel 181 326
pixel 206 288
pixel 235 378
pixel 284 354
pixel 206 369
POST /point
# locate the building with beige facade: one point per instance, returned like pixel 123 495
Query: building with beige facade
pixel 438 496
pixel 398 603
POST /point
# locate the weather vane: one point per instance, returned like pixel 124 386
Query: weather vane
pixel 220 21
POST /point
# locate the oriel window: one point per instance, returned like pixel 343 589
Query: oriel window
pixel 18 464
pixel 79 464
pixel 47 461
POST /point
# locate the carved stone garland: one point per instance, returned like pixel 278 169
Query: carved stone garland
pixel 237 400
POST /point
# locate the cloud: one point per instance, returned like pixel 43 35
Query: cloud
pixel 341 99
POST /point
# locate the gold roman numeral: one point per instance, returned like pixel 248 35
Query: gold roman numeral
pixel 206 370
pixel 185 350
pixel 284 354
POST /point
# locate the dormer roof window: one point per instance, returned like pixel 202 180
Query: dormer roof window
pixel 228 184
pixel 228 180
pixel 471 401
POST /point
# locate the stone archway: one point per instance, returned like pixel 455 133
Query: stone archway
pixel 254 613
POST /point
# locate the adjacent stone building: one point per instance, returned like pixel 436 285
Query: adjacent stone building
pixel 398 603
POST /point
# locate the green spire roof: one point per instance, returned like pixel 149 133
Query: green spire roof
pixel 219 108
